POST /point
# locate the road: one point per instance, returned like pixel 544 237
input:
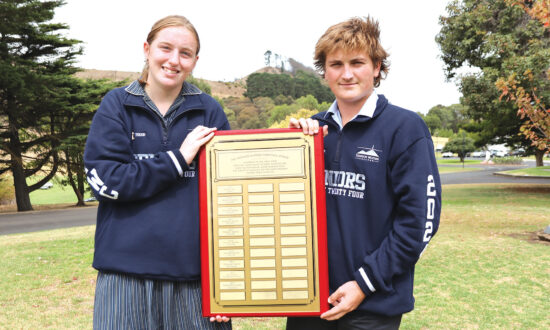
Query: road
pixel 487 175
pixel 24 222
pixel 44 220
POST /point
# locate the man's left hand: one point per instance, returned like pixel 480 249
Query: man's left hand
pixel 345 299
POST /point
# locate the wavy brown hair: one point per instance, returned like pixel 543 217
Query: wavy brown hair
pixel 357 33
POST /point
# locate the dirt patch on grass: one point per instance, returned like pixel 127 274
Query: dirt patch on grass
pixel 533 237
pixel 542 189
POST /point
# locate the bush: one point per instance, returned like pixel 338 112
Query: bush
pixel 507 160
pixel 6 190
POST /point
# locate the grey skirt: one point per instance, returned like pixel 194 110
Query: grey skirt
pixel 127 302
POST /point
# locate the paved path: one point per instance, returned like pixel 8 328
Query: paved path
pixel 487 176
pixel 24 222
pixel 44 220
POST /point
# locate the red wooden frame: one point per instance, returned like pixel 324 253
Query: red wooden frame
pixel 321 227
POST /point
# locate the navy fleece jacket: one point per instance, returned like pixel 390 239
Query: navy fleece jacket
pixel 383 203
pixel 148 215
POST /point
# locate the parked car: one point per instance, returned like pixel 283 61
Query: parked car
pixel 478 154
pixel 518 152
pixel 447 154
pixel 47 185
pixel 498 153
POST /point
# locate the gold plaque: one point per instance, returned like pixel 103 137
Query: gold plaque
pixel 263 224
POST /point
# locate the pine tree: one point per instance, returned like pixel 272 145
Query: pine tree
pixel 36 65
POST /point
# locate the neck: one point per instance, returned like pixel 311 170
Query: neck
pixel 162 97
pixel 348 110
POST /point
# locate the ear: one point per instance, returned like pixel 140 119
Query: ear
pixel 194 63
pixel 146 48
pixel 377 69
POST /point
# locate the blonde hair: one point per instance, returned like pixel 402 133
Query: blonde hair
pixel 168 21
pixel 355 34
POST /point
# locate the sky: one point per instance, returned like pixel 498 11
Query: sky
pixel 235 34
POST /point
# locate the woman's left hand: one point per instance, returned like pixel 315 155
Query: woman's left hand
pixel 194 140
pixel 219 318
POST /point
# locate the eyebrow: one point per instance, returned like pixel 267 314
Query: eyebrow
pixel 172 45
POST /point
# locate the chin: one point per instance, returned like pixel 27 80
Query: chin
pixel 172 83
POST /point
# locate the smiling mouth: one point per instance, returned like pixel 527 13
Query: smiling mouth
pixel 171 71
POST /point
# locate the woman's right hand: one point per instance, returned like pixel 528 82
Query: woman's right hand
pixel 194 140
pixel 309 126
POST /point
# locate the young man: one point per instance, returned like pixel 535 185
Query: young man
pixel 382 185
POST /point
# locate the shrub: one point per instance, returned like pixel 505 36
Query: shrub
pixel 6 190
pixel 507 160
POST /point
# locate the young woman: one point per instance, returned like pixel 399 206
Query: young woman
pixel 140 162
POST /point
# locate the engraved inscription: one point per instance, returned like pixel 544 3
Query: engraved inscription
pixel 260 163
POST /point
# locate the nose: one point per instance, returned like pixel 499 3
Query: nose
pixel 174 57
pixel 347 74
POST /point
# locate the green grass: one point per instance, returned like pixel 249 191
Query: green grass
pixel 531 171
pixel 58 194
pixel 483 269
pixel 453 169
pixel 456 165
pixel 456 161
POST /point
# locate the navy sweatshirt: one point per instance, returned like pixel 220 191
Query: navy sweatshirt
pixel 148 215
pixel 383 203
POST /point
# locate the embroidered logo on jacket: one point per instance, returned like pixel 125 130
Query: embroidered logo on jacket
pixel 143 156
pixel 368 154
pixel 342 183
pixel 138 134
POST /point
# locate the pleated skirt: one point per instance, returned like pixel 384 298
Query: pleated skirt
pixel 127 302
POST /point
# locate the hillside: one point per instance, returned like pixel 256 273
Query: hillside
pixel 219 88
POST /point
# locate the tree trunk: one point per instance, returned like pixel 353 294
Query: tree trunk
pixel 78 192
pixel 539 155
pixel 22 197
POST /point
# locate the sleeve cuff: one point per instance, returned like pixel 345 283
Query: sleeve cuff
pixel 179 162
pixel 364 281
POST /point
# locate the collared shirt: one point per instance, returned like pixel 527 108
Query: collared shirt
pixel 367 110
pixel 135 88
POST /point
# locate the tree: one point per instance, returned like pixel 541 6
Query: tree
pixel 82 100
pixel 460 144
pixel 271 85
pixel 35 60
pixel 267 57
pixel 433 122
pixel 279 112
pixel 527 81
pixel 201 84
pixel 307 83
pixel 307 102
pixel 301 113
pixel 489 37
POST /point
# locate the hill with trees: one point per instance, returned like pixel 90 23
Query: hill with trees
pixel 259 99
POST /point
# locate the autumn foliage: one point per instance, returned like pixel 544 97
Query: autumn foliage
pixel 523 87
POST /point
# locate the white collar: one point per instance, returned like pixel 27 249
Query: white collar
pixel 367 109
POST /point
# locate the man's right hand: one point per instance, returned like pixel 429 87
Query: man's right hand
pixel 309 126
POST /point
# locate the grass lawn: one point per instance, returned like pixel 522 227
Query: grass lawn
pixel 57 194
pixel 455 165
pixel 453 169
pixel 483 269
pixel 456 161
pixel 531 171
